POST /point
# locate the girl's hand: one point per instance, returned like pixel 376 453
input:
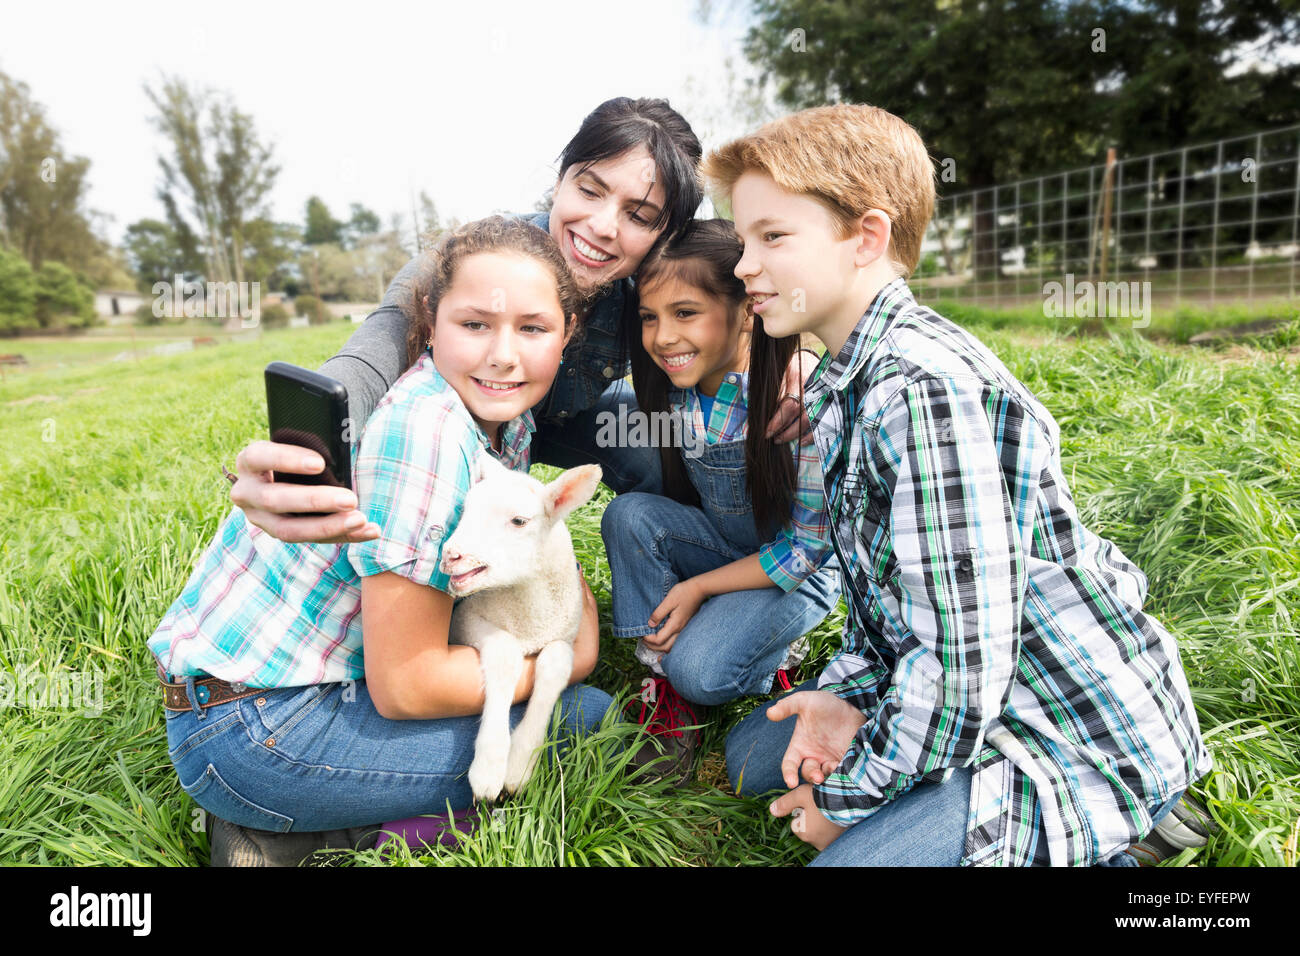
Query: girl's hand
pixel 586 646
pixel 674 611
pixel 267 503
pixel 791 419
pixel 807 824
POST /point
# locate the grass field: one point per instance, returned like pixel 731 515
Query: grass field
pixel 1184 457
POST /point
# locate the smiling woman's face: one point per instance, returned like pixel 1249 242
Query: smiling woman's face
pixel 601 216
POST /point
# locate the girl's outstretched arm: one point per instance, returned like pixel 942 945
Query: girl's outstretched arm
pixel 412 673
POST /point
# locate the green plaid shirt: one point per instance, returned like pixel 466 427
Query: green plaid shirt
pixel 987 626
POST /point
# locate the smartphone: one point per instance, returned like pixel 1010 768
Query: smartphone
pixel 310 409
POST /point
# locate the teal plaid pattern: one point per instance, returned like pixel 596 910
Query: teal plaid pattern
pixel 270 614
pixel 987 626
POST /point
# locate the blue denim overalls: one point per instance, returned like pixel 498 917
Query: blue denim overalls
pixel 735 642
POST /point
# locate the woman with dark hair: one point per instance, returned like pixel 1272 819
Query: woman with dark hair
pixel 627 180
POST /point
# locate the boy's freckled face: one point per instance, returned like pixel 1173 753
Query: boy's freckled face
pixel 498 335
pixel 796 266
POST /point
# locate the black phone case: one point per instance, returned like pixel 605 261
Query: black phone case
pixel 310 409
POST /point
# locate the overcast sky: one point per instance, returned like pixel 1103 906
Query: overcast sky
pixel 369 101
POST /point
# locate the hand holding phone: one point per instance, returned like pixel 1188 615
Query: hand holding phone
pixel 311 410
pixel 268 504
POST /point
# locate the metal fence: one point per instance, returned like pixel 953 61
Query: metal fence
pixel 1202 224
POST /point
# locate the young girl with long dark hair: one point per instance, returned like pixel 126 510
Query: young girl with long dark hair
pixel 718 577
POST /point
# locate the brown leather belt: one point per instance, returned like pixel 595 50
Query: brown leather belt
pixel 210 691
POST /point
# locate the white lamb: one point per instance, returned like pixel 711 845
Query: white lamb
pixel 513 557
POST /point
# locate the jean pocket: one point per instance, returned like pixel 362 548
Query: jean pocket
pixel 217 797
pixel 273 715
pixel 185 731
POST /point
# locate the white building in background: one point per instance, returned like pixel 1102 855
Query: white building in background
pixel 117 306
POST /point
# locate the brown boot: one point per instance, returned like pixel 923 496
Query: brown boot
pixel 233 845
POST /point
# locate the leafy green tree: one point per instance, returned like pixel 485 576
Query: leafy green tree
pixel 157 253
pixel 1195 70
pixel 321 227
pixel 17 293
pixel 1006 89
pixel 363 222
pixel 42 188
pixel 61 299
pixel 217 173
pixel 271 250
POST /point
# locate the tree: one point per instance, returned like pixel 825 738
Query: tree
pixel 1007 89
pixel 42 189
pixel 1196 70
pixel 62 300
pixel 158 254
pixel 1002 87
pixel 217 166
pixel 363 223
pixel 428 225
pixel 272 248
pixel 17 293
pixel 245 175
pixel 321 227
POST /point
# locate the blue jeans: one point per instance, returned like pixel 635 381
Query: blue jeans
pixel 567 444
pixel 924 827
pixel 303 759
pixel 735 642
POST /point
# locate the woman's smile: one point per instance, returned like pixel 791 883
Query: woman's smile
pixel 585 250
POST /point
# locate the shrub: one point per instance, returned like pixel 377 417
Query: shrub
pixel 17 293
pixel 275 317
pixel 61 300
pixel 313 308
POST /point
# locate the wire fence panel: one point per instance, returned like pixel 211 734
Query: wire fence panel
pixel 1215 222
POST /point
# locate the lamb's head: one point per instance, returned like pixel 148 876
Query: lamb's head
pixel 508 523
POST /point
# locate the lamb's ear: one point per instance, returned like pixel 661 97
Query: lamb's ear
pixel 571 490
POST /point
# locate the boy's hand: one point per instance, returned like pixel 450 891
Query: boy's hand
pixel 790 422
pixel 266 502
pixel 807 824
pixel 674 611
pixel 824 727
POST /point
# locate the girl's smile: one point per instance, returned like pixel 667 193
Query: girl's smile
pixel 695 337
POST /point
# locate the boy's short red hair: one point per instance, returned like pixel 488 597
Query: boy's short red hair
pixel 849 157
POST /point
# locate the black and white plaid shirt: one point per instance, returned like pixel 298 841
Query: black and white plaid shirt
pixel 987 626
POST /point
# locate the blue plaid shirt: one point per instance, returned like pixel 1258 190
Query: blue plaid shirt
pixel 987 626
pixel 804 545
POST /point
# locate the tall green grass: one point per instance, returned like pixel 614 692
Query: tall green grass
pixel 112 488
